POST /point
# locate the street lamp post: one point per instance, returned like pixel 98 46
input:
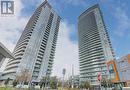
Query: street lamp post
pixel 63 72
pixel 72 84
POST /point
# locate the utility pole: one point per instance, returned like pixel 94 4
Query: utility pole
pixel 72 84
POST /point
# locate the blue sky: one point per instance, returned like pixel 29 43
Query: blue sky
pixel 114 11
pixel 116 16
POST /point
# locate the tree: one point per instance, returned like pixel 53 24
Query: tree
pixel 104 82
pixel 53 82
pixel 43 81
pixel 82 84
pixel 7 81
pixel 59 83
pixel 24 77
pixel 67 84
pixel 109 83
pixel 87 85
pixel 15 82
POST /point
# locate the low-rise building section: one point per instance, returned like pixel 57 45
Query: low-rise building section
pixel 119 70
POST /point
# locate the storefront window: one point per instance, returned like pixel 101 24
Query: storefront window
pixel 111 71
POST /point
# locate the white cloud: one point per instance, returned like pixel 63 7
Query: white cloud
pixel 66 52
pixel 11 27
pixel 123 21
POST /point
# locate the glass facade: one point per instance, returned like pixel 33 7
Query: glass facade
pixel 94 45
pixel 111 71
pixel 36 47
pixel 2 57
pixel 4 53
pixel 124 68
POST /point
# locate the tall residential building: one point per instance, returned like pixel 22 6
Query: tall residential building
pixel 36 47
pixel 4 53
pixel 95 48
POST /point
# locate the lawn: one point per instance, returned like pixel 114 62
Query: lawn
pixel 9 88
pixel 6 88
pixel 68 88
